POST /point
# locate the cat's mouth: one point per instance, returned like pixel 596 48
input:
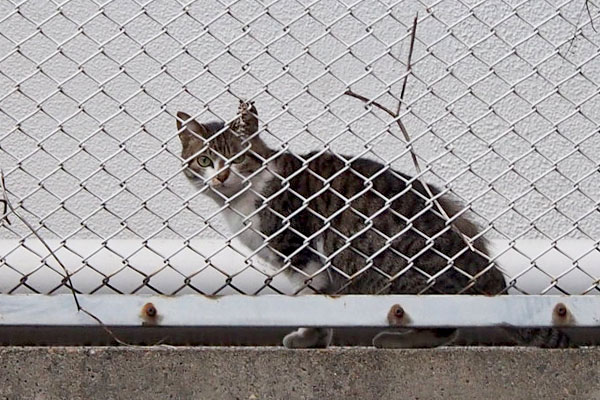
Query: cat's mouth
pixel 225 188
pixel 217 184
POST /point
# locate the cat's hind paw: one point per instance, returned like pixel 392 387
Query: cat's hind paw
pixel 415 338
pixel 305 338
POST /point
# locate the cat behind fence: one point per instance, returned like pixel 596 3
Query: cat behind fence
pixel 342 225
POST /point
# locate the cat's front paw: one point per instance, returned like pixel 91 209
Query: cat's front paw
pixel 305 338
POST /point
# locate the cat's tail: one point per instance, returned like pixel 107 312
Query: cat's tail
pixel 540 337
pixel 427 338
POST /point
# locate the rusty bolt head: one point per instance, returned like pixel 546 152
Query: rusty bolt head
pixel 398 311
pixel 396 315
pixel 561 310
pixel 150 310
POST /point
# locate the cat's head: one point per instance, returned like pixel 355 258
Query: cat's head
pixel 218 156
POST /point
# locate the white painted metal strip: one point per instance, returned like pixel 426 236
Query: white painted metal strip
pixel 288 311
pixel 550 258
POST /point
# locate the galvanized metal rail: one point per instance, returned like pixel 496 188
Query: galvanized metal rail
pixel 274 311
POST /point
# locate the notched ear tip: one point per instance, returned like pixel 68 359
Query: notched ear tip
pixel 247 106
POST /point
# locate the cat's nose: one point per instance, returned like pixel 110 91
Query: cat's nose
pixel 222 176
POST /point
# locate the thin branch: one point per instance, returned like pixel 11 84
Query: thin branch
pixel 4 210
pixel 32 229
pixel 366 100
pixel 396 116
pixel 106 328
pixel 4 200
pixel 398 121
pixel 413 35
pixel 69 282
pixel 586 7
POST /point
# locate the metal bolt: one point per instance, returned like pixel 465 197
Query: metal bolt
pixel 396 315
pixel 150 310
pixel 560 310
pixel 398 311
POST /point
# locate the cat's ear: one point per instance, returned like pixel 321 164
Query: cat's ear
pixel 246 123
pixel 188 128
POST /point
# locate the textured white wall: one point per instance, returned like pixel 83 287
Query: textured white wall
pixel 502 107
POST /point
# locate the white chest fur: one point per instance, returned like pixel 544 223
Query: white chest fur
pixel 244 221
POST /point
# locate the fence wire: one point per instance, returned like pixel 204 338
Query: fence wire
pixel 501 103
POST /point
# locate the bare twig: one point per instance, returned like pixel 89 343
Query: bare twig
pixel 396 116
pixel 413 34
pixel 4 201
pixel 586 7
pixel 366 100
pixel 106 328
pixel 398 121
pixel 5 211
pixel 68 282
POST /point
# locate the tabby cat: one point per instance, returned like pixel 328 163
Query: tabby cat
pixel 366 229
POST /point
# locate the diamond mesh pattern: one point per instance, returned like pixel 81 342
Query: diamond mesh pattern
pixel 502 107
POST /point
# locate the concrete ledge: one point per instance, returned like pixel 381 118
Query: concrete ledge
pixel 276 373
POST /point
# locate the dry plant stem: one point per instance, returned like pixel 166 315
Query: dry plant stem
pixel 69 283
pixel 5 211
pixel 416 164
pixel 396 116
pixel 413 34
pixel 28 225
pixel 586 7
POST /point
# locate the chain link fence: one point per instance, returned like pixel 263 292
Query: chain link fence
pixel 500 103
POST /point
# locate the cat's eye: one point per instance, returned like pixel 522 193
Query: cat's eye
pixel 204 161
pixel 239 159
